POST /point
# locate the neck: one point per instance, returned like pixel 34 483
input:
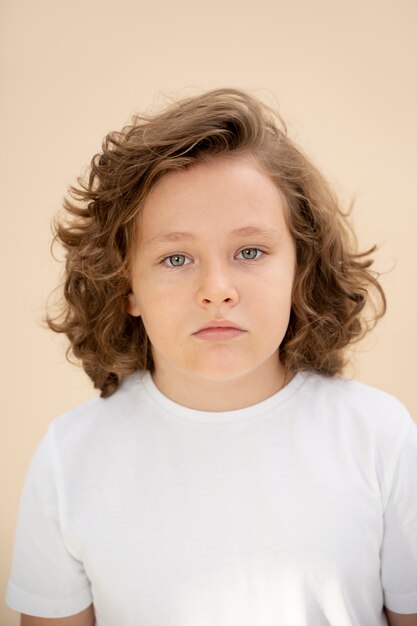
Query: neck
pixel 201 394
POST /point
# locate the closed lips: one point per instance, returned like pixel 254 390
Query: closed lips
pixel 220 324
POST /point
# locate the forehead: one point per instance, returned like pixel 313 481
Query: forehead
pixel 236 174
pixel 221 192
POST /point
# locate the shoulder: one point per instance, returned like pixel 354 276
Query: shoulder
pixel 357 403
pixel 352 393
pixel 370 425
pixel 100 419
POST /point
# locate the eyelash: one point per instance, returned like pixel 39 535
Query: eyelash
pixel 173 267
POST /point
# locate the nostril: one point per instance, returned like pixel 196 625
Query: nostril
pixel 207 301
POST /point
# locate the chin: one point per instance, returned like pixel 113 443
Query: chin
pixel 221 372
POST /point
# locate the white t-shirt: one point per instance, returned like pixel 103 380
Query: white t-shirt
pixel 300 510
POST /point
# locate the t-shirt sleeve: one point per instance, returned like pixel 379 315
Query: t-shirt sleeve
pixel 399 547
pixel 46 580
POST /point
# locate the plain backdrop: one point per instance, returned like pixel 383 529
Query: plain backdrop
pixel 343 75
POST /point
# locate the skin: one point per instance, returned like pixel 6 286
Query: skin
pixel 216 279
pixel 398 619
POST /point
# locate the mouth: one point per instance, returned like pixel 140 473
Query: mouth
pixel 216 324
pixel 219 332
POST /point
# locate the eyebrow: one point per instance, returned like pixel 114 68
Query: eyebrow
pixel 245 231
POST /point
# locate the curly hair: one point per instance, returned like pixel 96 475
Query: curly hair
pixel 332 284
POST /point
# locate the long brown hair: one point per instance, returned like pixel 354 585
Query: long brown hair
pixel 333 282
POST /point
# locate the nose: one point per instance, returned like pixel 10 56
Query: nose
pixel 216 286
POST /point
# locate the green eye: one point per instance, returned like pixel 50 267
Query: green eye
pixel 177 260
pixel 251 253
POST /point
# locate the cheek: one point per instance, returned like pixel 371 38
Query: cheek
pixel 277 283
pixel 164 307
pixel 272 300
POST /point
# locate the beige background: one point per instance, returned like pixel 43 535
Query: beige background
pixel 344 76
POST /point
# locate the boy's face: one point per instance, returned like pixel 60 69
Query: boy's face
pixel 184 282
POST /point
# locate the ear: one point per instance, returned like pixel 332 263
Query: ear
pixel 132 305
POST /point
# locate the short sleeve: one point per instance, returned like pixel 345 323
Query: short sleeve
pixel 399 547
pixel 46 580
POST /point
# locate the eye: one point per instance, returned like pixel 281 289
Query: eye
pixel 251 254
pixel 177 260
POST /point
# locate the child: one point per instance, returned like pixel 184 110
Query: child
pixel 228 475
